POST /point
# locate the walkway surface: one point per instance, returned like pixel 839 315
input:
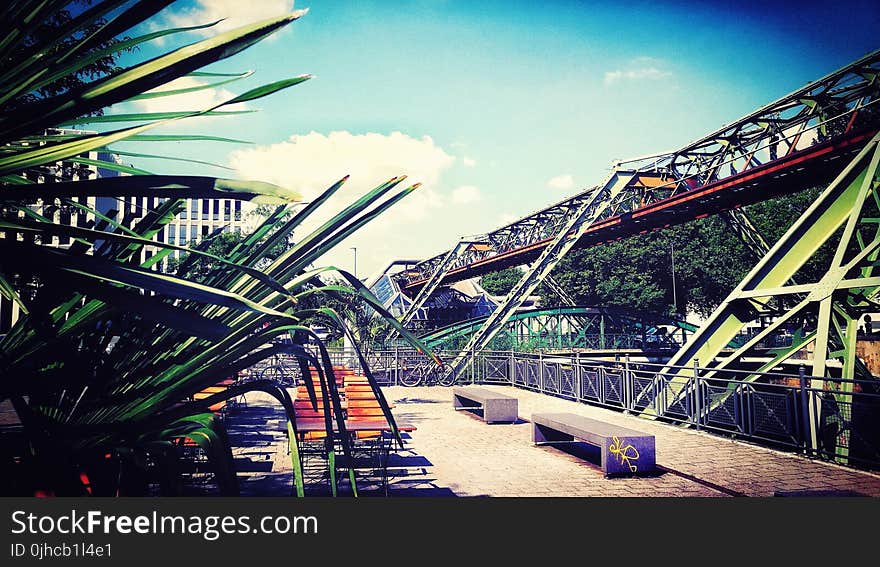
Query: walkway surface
pixel 454 453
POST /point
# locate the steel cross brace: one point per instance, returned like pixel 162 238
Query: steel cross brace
pixel 739 221
pixel 748 233
pixel 586 214
pixel 557 288
pixel 434 282
pixel 848 288
pixel 829 108
pixel 564 297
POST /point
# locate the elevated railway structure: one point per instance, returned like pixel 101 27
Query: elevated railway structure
pixel 804 139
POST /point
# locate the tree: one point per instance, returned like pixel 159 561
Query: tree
pixel 710 260
pixel 51 26
pixel 501 282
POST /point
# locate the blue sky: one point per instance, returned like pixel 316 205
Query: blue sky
pixel 499 107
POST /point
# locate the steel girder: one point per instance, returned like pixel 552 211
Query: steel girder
pixel 590 210
pixel 847 216
pixel 583 326
pixel 447 264
pixel 742 225
pixel 796 131
pixel 564 297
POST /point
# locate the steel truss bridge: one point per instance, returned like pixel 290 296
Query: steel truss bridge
pixel 588 328
pixel 801 140
pixel 824 134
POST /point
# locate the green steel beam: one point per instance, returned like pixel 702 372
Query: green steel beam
pixel 590 210
pixel 742 225
pixel 843 215
pixel 581 320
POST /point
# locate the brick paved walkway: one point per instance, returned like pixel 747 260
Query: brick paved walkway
pixel 457 454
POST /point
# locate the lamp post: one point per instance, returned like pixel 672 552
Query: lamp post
pixel 674 295
pixel 355 270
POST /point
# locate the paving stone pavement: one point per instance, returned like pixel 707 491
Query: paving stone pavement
pixel 454 453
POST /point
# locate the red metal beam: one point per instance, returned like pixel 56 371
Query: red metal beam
pixel 775 177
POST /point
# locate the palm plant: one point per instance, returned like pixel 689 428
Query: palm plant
pixel 102 367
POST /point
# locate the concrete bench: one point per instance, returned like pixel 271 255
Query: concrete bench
pixel 496 407
pixel 624 451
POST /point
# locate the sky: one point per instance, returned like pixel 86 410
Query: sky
pixel 497 108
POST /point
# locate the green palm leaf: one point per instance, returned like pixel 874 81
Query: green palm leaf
pixel 142 77
pixel 109 353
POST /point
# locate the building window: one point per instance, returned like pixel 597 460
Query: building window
pixel 181 234
pixel 193 233
pixel 216 209
pixel 238 210
pixel 227 209
pixel 82 219
pixel 65 218
pixel 206 203
pixel 204 231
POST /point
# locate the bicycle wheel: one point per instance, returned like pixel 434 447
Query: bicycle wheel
pixel 446 376
pixel 412 378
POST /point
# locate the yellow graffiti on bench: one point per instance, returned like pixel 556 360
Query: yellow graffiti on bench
pixel 623 454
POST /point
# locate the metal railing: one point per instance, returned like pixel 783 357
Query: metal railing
pixel 822 417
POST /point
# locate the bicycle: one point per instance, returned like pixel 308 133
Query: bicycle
pixel 280 371
pixel 427 373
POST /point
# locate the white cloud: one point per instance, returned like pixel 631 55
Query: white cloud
pixel 196 100
pixel 234 13
pixel 465 194
pixel 468 162
pixel 565 181
pixel 638 69
pixel 311 162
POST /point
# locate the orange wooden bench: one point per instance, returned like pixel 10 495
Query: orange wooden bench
pixel 365 422
pixel 215 389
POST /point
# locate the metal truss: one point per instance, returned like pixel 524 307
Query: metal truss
pixel 749 160
pixel 824 313
pixel 587 213
pixel 447 264
pixel 748 233
pixel 742 225
pixel 554 286
pixel 594 328
pixel 564 297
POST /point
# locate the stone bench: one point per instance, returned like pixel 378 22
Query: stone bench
pixel 624 451
pixel 496 407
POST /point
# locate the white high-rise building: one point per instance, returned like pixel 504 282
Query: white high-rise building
pixel 200 217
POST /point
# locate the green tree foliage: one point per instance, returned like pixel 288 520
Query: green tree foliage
pixel 710 260
pixel 104 366
pixel 501 282
pixel 47 28
pixel 222 245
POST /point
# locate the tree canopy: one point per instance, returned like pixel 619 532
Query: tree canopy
pixel 501 282
pixel 637 272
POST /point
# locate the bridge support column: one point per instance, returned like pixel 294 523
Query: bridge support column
pixel 577 224
pixel 847 217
